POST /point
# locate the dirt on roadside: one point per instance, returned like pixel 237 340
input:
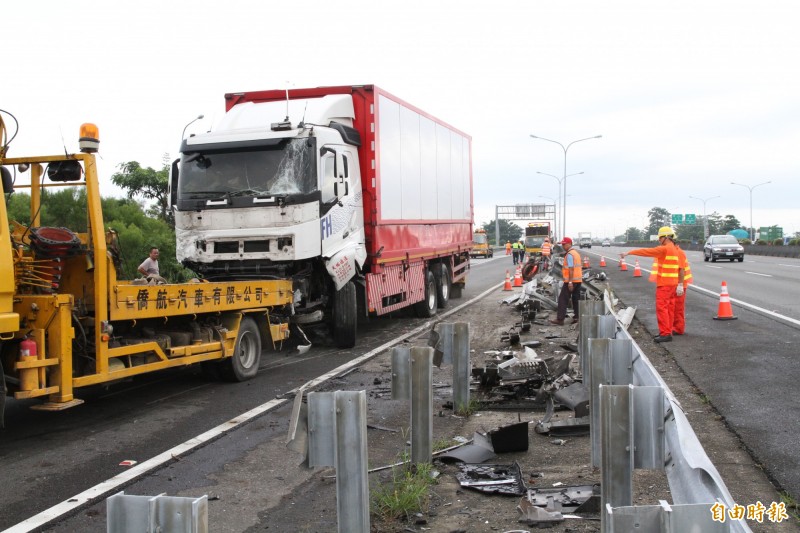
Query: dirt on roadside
pixel 548 462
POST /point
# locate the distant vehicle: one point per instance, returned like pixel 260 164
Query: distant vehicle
pixel 606 243
pixel 723 247
pixel 535 234
pixel 480 244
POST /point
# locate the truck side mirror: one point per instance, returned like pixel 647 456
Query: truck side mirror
pixel 173 183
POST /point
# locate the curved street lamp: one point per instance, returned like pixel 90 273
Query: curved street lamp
pixel 183 135
pixel 564 195
pixel 555 222
pixel 748 187
pixel 705 220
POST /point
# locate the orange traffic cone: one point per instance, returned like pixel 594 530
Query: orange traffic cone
pixel 725 311
pixel 654 271
pixel 623 266
pixel 637 270
pixel 602 262
pixel 586 261
pixel 507 284
pixel 518 277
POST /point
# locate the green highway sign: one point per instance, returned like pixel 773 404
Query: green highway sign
pixel 690 219
pixel 677 219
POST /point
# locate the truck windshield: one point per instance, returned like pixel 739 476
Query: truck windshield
pixel 479 239
pixel 282 169
pixel 534 242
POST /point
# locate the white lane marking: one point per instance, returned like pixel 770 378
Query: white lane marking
pixel 712 266
pixel 758 274
pixel 104 488
pixel 790 266
pixel 750 306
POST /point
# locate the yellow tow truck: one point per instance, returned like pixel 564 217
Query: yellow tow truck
pixel 480 244
pixel 67 321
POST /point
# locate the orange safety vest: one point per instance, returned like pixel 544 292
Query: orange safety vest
pixel 668 262
pixel 577 272
pixel 687 270
pixel 508 246
pixel 546 249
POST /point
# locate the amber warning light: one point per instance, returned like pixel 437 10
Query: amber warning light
pixel 89 141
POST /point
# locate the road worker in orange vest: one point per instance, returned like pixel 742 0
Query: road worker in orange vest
pixel 669 281
pixel 679 320
pixel 571 290
pixel 547 249
pixel 508 247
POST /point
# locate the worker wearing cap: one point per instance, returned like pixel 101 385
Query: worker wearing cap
pixel 669 281
pixel 571 290
pixel 508 247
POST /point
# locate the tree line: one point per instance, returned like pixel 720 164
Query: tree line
pixel 141 221
pixel 657 217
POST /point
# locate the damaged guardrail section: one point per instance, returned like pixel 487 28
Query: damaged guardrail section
pixel 636 422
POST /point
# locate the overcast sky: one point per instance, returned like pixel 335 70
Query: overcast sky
pixel 688 96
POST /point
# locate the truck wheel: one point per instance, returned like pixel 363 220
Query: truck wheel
pixel 345 316
pixel 243 365
pixel 442 274
pixel 427 307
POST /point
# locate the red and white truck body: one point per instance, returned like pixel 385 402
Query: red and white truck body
pixel 362 199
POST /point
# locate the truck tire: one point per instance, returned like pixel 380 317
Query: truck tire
pixel 345 316
pixel 243 365
pixel 427 307
pixel 443 283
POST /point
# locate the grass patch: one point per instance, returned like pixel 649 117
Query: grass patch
pixel 792 508
pixel 470 408
pixel 441 444
pixel 406 494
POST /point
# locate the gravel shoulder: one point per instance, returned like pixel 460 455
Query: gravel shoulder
pixel 311 506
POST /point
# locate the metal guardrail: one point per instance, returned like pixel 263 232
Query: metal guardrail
pixel 693 479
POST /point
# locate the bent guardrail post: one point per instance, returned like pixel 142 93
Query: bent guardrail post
pixel 401 373
pixel 421 405
pixel 412 379
pixel 632 435
pixel 593 327
pixel 446 341
pixel 127 512
pixel 337 425
pixel 610 363
pixel 461 366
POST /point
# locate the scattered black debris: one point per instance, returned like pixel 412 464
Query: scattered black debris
pixel 479 451
pixel 561 498
pixel 493 479
pixel 512 438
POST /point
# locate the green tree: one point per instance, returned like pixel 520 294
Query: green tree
pixel 729 223
pixel 658 217
pixel 508 231
pixel 152 185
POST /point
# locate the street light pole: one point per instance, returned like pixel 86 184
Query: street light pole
pixel 183 135
pixel 748 187
pixel 555 222
pixel 705 220
pixel 564 194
